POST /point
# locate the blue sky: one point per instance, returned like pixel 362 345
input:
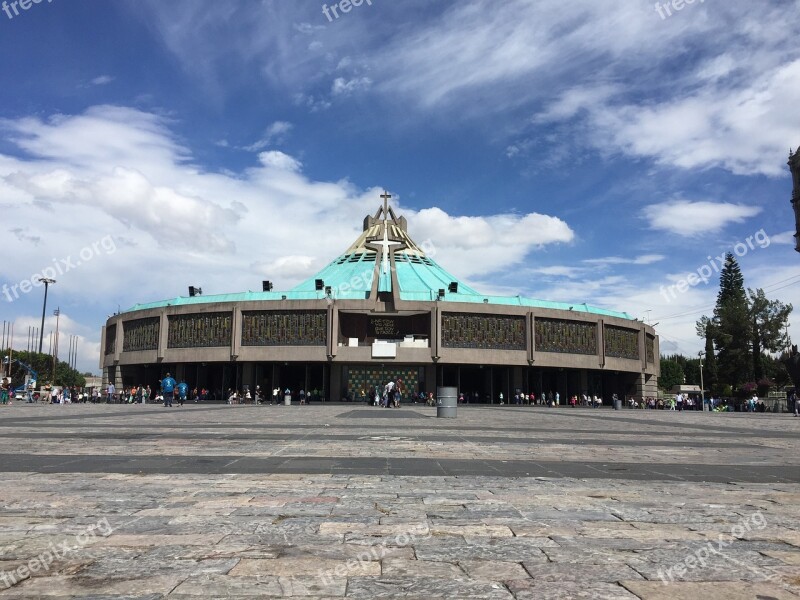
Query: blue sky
pixel 582 151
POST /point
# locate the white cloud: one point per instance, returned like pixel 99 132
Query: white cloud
pixel 687 218
pixel 276 133
pixel 714 88
pixel 102 80
pixel 645 259
pixel 279 160
pixel 345 87
pixel 472 246
pixel 559 271
pixel 288 267
pixel 784 238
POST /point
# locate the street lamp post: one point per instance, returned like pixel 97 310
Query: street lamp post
pixel 702 389
pixel 57 314
pixel 46 281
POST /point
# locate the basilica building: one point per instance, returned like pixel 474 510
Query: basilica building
pixel 382 311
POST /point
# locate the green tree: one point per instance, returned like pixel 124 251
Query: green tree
pixel 705 329
pixel 732 326
pixel 691 371
pixel 671 374
pixel 768 319
pixel 775 369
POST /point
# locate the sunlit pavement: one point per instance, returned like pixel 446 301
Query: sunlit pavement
pixel 319 501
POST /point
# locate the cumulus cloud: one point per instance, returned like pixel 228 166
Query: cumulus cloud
pixel 278 160
pixel 176 224
pixel 474 246
pixel 686 218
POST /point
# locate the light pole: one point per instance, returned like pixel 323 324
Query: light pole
pixel 57 314
pixel 702 390
pixel 46 281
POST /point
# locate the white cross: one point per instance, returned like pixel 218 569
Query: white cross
pixel 385 244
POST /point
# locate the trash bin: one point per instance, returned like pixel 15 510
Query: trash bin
pixel 287 399
pixel 617 404
pixel 446 402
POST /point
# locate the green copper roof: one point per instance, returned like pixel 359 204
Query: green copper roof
pixel 384 247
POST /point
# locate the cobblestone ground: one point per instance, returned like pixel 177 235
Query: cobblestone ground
pixel 358 502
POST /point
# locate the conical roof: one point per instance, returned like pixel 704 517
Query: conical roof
pixel 384 259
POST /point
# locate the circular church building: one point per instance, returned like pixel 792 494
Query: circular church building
pixel 382 311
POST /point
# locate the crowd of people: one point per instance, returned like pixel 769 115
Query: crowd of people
pixel 390 397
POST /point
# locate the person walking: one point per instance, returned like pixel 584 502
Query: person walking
pixel 183 392
pixel 5 389
pixel 168 390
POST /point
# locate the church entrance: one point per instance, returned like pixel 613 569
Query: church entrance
pixel 360 380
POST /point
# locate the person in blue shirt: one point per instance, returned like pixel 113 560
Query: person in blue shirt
pixel 168 389
pixel 183 392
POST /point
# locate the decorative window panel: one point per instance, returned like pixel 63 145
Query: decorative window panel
pixel 203 330
pixel 140 334
pixel 462 330
pixel 566 337
pixel 363 380
pixel 111 339
pixel 284 328
pixel 650 349
pixel 621 342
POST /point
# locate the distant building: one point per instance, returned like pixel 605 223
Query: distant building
pixel 794 166
pixel 384 311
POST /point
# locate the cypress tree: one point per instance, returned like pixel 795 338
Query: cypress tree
pixel 732 326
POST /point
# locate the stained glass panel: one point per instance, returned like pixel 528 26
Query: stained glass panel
pixel 621 342
pixel 363 380
pixel 490 332
pixel 568 337
pixel 284 328
pixel 203 330
pixel 141 334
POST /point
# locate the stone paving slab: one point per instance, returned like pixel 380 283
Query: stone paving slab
pixel 197 503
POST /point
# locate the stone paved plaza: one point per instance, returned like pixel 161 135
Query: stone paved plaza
pixel 114 501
